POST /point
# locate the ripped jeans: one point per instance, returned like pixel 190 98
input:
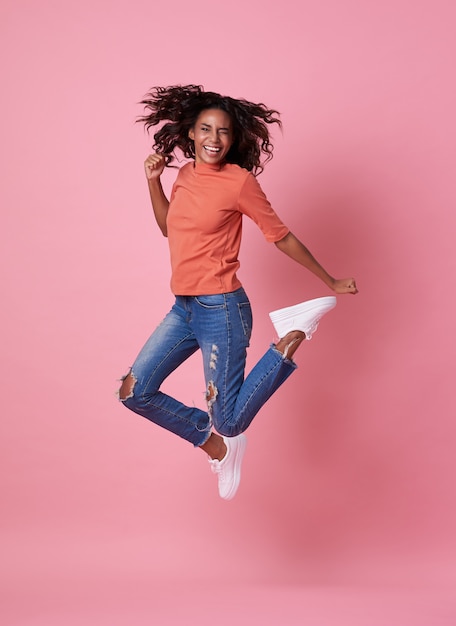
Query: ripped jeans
pixel 220 326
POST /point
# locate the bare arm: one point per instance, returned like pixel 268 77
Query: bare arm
pixel 154 166
pixel 292 247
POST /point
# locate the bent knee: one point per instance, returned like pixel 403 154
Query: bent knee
pixel 228 430
pixel 127 387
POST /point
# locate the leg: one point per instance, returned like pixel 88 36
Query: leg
pixel 223 326
pixel 171 343
pixel 293 325
pixel 215 446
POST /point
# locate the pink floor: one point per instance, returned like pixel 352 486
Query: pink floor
pixel 80 579
pixel 141 602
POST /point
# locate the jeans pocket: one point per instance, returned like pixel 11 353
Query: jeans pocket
pixel 245 313
pixel 216 301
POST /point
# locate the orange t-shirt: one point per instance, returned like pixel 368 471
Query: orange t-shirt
pixel 205 225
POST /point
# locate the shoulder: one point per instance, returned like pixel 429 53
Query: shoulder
pixel 236 175
pixel 184 176
pixel 185 170
pixel 236 171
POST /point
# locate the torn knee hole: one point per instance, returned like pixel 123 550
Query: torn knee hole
pixel 127 387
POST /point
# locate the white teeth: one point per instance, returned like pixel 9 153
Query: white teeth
pixel 211 149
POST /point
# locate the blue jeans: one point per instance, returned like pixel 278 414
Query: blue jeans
pixel 220 326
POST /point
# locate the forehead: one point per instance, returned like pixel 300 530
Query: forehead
pixel 215 117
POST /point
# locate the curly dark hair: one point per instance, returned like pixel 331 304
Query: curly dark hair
pixel 180 105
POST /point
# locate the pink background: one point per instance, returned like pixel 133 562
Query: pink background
pixel 346 512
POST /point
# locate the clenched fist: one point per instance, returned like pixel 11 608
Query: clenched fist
pixel 154 165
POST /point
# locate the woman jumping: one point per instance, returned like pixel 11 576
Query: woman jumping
pixel 225 140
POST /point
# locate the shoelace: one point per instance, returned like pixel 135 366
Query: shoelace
pixel 215 466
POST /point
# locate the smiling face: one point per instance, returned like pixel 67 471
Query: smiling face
pixel 212 135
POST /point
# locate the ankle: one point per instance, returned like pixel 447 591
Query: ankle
pixel 290 343
pixel 215 447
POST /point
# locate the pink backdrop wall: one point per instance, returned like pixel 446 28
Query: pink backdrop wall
pixel 349 477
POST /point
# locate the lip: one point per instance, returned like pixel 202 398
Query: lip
pixel 213 153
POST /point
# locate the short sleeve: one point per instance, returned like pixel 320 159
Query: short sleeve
pixel 254 203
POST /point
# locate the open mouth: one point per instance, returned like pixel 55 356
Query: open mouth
pixel 211 149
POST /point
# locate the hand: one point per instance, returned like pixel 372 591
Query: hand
pixel 154 166
pixel 345 285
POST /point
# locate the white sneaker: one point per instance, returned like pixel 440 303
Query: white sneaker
pixel 229 468
pixel 303 317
